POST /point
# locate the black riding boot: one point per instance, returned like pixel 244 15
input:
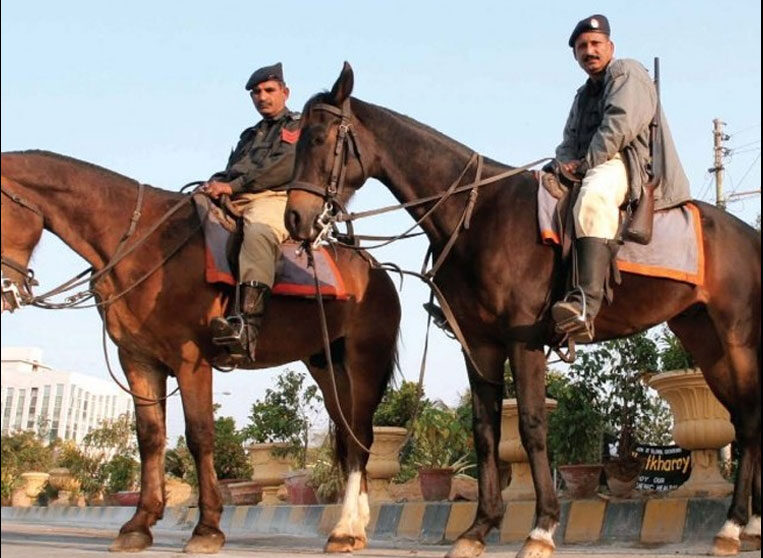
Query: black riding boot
pixel 594 257
pixel 239 332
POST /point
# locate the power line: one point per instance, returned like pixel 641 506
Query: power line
pixel 747 172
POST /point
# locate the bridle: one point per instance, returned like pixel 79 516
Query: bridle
pixel 346 145
pixel 14 297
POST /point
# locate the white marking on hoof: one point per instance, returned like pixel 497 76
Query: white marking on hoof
pixel 465 548
pixel 753 526
pixel 544 535
pixel 730 530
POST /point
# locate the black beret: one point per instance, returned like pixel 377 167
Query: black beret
pixel 265 73
pixel 597 23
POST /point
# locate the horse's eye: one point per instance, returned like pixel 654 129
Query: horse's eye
pixel 317 139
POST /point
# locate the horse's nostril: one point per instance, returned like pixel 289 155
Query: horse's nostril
pixel 292 221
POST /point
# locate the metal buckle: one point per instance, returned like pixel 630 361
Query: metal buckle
pixel 12 298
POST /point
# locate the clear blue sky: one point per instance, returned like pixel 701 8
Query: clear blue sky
pixel 155 90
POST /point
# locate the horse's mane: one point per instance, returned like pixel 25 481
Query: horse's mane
pixel 106 173
pixel 447 141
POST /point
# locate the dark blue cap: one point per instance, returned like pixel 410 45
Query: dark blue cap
pixel 596 23
pixel 265 73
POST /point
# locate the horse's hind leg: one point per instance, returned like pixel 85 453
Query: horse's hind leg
pixel 729 361
pixel 149 380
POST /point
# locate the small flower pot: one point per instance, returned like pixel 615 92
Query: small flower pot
pixel 299 492
pixel 582 481
pixel 435 483
pixel 127 498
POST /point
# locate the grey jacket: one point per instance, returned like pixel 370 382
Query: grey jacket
pixel 612 117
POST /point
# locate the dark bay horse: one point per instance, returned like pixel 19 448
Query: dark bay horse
pixel 161 327
pixel 500 280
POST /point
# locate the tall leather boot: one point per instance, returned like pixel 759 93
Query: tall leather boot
pixel 575 314
pixel 239 332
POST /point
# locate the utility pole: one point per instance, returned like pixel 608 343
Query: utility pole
pixel 719 151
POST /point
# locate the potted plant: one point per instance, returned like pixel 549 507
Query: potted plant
pixel 390 428
pixel 326 476
pixel 441 449
pixel 575 438
pixel 279 425
pixel 25 460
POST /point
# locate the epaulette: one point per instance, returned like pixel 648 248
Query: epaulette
pixel 295 115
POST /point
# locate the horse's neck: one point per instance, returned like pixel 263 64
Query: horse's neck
pixel 418 162
pixel 87 207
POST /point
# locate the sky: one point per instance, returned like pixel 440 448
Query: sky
pixel 155 91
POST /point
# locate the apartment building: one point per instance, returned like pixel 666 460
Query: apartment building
pixel 54 403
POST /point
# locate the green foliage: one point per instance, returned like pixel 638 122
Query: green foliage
pixel 326 475
pixel 178 462
pixel 284 415
pixel 21 452
pixel 107 460
pixel 575 427
pixel 614 372
pixel 673 356
pixel 398 405
pixel 231 459
pixel 441 439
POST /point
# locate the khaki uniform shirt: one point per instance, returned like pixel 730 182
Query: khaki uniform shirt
pixel 612 116
pixel 264 156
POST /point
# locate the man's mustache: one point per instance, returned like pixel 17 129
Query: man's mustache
pixel 587 58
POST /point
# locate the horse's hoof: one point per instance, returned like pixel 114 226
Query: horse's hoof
pixel 465 548
pixel 534 548
pixel 725 546
pixel 205 544
pixel 134 541
pixel 749 542
pixel 342 543
pixel 361 542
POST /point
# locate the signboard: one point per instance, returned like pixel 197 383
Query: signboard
pixel 665 467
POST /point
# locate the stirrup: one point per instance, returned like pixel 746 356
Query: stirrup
pixel 439 319
pixel 231 333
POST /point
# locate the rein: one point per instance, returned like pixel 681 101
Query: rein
pixel 19 299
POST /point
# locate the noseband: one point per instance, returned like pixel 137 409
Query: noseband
pixel 12 294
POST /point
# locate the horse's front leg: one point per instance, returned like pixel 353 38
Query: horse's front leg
pixel 148 380
pixel 195 381
pixel 529 370
pixel 487 395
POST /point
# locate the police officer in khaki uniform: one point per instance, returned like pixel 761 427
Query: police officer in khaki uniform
pixel 262 160
pixel 606 142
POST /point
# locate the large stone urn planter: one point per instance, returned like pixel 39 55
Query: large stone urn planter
pixel 32 484
pixel 268 470
pixel 64 483
pixel 384 461
pixel 701 424
pixel 511 451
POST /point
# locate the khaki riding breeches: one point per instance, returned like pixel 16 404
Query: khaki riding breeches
pixel 264 231
pixel 597 209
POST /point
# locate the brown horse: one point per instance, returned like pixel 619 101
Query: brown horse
pixel 160 327
pixel 500 280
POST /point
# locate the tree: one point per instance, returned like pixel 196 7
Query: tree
pixel 614 370
pixel 231 460
pixel 285 414
pixel 21 452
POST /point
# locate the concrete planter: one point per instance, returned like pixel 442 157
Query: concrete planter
pixel 65 484
pixel 435 483
pixel 582 481
pixel 512 452
pixel 384 461
pixel 702 425
pixel 268 470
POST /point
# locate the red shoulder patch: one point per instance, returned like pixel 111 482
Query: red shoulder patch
pixel 290 136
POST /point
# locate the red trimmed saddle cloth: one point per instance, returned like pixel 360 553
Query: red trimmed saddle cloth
pixel 675 252
pixel 293 277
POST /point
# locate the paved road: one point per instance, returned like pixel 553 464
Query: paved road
pixel 29 540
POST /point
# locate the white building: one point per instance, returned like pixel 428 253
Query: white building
pixel 33 396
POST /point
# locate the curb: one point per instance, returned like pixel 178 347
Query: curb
pixel 651 521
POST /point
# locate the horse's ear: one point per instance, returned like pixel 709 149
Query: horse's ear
pixel 343 85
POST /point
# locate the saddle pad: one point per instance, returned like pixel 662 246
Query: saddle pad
pixel 675 252
pixel 293 277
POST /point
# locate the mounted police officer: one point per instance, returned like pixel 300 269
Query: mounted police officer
pixel 606 143
pixel 262 160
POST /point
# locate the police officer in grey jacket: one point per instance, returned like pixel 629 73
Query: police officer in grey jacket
pixel 606 142
pixel 262 160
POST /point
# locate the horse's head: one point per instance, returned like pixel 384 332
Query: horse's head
pixel 22 224
pixel 330 162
